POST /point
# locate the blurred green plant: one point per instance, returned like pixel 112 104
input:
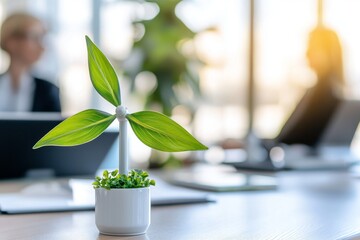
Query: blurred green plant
pixel 159 51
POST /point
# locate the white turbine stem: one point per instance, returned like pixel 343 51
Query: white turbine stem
pixel 121 113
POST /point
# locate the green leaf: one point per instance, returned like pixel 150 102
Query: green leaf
pixel 114 173
pixel 102 74
pixel 105 174
pixel 160 132
pixel 78 129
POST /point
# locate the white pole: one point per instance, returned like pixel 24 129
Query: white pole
pixel 121 113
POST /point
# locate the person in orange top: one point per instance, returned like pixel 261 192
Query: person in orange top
pixel 314 111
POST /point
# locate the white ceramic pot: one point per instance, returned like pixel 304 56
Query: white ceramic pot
pixel 122 211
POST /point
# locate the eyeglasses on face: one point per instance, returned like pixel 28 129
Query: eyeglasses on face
pixel 29 36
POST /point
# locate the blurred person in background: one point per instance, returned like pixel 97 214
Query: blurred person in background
pixel 315 109
pixel 22 39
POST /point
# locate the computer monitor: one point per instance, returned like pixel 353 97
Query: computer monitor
pixel 18 134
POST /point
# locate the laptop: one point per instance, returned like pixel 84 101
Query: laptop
pixel 331 151
pixel 19 132
pixel 342 127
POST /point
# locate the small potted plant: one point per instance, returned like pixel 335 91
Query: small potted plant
pixel 122 197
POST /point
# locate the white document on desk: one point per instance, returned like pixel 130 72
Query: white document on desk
pixel 79 195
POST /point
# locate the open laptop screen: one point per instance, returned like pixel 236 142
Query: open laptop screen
pixel 333 122
pixel 20 132
pixel 342 127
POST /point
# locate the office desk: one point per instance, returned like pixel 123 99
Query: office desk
pixel 307 205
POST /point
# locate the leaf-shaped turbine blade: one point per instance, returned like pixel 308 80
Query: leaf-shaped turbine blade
pixel 162 133
pixel 102 74
pixel 78 129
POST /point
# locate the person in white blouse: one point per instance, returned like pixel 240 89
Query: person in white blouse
pixel 22 38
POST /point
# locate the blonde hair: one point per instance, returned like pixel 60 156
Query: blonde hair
pixel 13 24
pixel 327 41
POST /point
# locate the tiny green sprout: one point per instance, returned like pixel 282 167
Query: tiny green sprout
pixel 134 179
